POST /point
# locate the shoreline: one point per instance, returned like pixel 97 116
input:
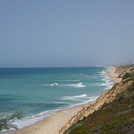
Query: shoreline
pixel 113 76
pixel 59 121
pixel 52 124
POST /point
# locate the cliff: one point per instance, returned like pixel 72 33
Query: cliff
pixel 109 98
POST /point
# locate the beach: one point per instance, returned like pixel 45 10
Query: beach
pixel 56 123
pixel 53 123
pixel 61 120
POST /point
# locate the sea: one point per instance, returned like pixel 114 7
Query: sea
pixel 40 92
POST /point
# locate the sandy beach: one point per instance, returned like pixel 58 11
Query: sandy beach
pixel 53 123
pixel 56 123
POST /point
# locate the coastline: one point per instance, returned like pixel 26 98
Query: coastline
pixel 53 123
pixel 59 121
pixel 113 75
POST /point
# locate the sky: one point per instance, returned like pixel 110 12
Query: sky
pixel 66 33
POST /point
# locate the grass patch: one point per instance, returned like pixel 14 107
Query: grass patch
pixel 126 76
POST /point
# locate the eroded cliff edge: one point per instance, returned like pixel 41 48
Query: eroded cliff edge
pixel 125 76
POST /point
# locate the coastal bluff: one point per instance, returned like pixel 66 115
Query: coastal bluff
pixel 124 82
pixel 109 95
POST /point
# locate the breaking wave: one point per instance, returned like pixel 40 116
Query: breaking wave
pixel 78 85
pixel 54 84
pixel 74 97
pixel 69 80
pixel 106 79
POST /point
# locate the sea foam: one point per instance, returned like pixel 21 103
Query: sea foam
pixel 29 120
pixel 78 85
pixel 74 97
pixel 54 84
pixel 106 79
pixel 69 80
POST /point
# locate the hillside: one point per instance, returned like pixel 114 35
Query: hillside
pixel 113 112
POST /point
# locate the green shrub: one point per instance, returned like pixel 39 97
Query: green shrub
pixel 131 88
pixel 129 79
pixel 6 123
pixel 126 76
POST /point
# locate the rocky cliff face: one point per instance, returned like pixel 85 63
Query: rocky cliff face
pixel 122 70
pixel 109 95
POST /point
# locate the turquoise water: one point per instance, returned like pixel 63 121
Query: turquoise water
pixel 40 92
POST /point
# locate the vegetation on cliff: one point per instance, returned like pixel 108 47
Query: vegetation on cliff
pixel 116 117
pixel 6 122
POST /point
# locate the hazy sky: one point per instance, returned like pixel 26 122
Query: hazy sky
pixel 66 32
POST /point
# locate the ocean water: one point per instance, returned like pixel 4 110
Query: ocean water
pixel 39 92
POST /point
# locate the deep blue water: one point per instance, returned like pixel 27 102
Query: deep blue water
pixel 41 91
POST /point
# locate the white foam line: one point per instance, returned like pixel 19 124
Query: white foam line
pixel 74 97
pixel 78 85
pixel 29 120
pixel 108 83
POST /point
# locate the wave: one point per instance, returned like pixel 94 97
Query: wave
pixel 58 102
pixel 69 80
pixel 29 120
pixel 107 84
pixel 54 84
pixel 78 85
pixel 89 99
pixel 102 73
pixel 107 81
pixel 74 97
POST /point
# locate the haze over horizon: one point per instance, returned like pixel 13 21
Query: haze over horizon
pixel 66 33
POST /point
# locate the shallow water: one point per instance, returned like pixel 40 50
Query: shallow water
pixel 40 92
